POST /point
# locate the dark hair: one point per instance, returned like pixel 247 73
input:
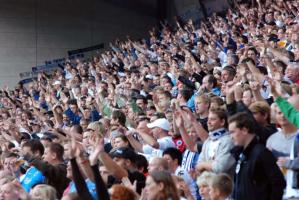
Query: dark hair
pixel 142 98
pixel 72 102
pixel 290 55
pixel 221 113
pixel 9 155
pixel 29 114
pixel 174 153
pixel 281 64
pixel 254 50
pixel 78 128
pixel 57 149
pixel 120 116
pixel 212 80
pixel 186 94
pixel 11 145
pixel 231 70
pixel 124 138
pixel 168 79
pixel 35 146
pixel 66 92
pixel 166 94
pixel 141 162
pixel 243 120
pixel 159 115
pixel 245 60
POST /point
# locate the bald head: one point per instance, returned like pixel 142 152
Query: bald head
pixel 158 164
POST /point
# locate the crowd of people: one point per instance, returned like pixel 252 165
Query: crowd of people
pixel 206 111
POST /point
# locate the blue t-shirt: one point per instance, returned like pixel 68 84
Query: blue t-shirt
pixel 32 177
pixel 90 186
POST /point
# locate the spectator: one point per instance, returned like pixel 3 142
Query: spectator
pixel 160 185
pixel 158 164
pixel 221 187
pixel 52 167
pixel 122 192
pixel 43 191
pixel 174 158
pixel 203 183
pixel 158 93
pixel 262 170
pixel 216 158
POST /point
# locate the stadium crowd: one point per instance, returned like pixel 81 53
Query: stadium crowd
pixel 192 112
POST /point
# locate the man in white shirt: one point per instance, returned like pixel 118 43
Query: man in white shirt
pixel 281 144
pixel 155 138
pixel 215 155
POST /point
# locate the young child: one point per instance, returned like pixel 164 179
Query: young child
pixel 203 184
pixel 221 187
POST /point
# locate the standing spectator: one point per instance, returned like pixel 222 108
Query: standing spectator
pixel 257 175
pixel 215 155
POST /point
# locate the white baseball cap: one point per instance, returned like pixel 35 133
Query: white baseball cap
pixel 57 83
pixel 160 123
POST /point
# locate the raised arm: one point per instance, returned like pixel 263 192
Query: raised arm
pixel 101 188
pixel 107 161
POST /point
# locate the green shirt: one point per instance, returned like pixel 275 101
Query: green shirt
pixel 289 111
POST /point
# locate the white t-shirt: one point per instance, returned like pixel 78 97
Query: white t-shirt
pixel 164 143
pixel 290 192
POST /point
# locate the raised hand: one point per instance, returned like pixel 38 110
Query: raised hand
pixel 238 93
pixel 179 122
pixel 98 148
pixel 229 87
pixel 254 85
pixel 273 87
pixel 126 182
pixel 72 148
pixel 188 115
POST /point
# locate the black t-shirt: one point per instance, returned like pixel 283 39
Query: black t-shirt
pixel 133 175
pixel 204 123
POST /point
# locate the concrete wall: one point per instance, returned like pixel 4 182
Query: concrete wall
pixel 32 31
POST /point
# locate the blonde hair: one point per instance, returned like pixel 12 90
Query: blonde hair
pixel 98 127
pixel 43 192
pixel 204 178
pixel 260 107
pixel 203 98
